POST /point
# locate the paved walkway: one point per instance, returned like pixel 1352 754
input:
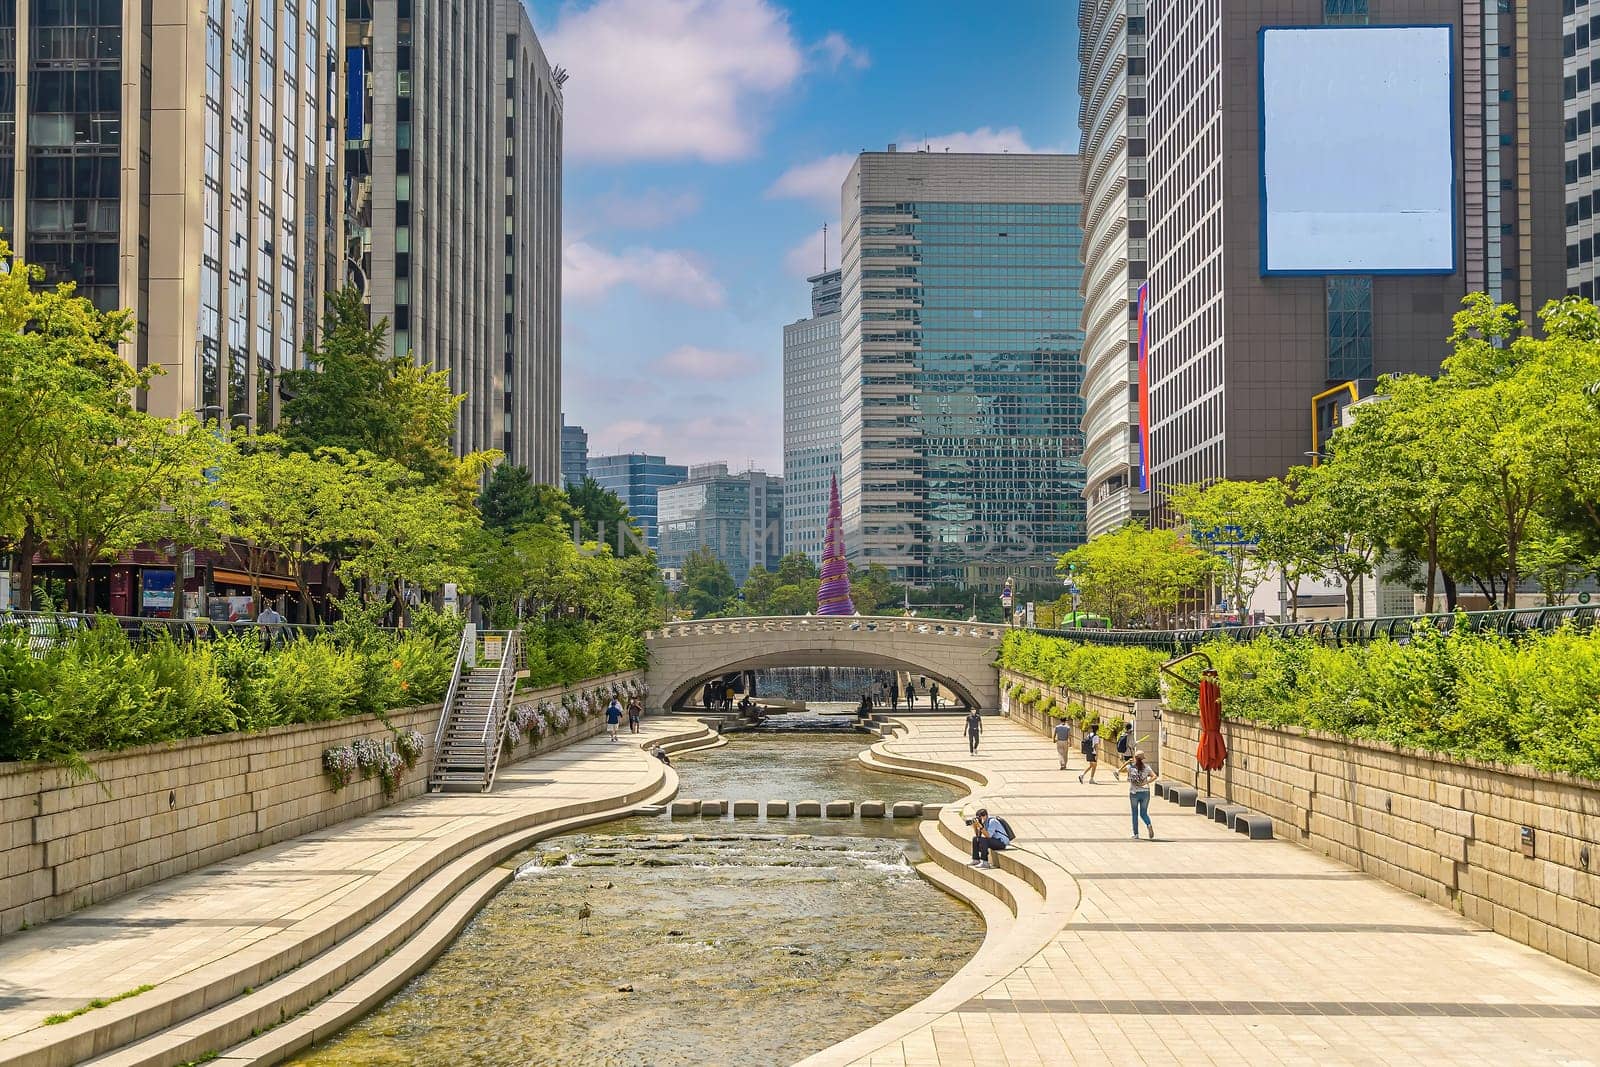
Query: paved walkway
pixel 1205 947
pixel 241 911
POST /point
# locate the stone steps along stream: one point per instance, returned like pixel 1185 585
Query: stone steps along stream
pixel 804 809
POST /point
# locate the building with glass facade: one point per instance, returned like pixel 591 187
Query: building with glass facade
pixel 739 517
pixel 574 454
pixel 636 478
pixel 453 135
pixel 1233 352
pixel 1111 123
pixel 1580 50
pixel 962 365
pixel 181 161
pixel 811 417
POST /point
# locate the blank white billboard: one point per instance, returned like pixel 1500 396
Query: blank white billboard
pixel 1358 150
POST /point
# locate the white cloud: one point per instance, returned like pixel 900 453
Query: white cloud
pixel 588 273
pixel 704 364
pixel 837 51
pixel 646 210
pixel 805 258
pixel 740 436
pixel 671 79
pixel 817 181
pixel 982 139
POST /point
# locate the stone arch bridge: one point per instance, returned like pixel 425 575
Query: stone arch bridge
pixel 960 655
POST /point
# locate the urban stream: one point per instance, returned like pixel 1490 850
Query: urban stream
pixel 710 941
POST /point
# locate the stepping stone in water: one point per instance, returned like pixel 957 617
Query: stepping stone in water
pixel 871 809
pixel 906 809
pixel 746 807
pixel 713 807
pixel 778 808
pixel 685 807
pixel 808 808
pixel 840 809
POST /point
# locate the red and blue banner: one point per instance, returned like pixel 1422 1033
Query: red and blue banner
pixel 1144 388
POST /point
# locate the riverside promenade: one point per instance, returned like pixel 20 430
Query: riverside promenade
pixel 205 941
pixel 1203 946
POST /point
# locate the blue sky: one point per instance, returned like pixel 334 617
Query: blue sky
pixel 705 142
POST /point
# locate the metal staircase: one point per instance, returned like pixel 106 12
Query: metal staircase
pixel 466 747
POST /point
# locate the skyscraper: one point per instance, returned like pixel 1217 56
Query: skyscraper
pixel 180 160
pixel 811 417
pixel 1111 121
pixel 1235 348
pixel 1580 39
pixel 574 454
pixel 636 478
pixel 962 446
pixel 453 155
pixel 737 516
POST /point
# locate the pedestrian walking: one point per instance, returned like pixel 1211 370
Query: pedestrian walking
pixel 974 729
pixel 1124 749
pixel 1063 736
pixel 894 693
pixel 613 717
pixel 1141 776
pixel 635 713
pixel 933 693
pixel 1091 752
pixel 989 834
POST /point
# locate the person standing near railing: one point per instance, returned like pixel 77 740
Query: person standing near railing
pixel 270 623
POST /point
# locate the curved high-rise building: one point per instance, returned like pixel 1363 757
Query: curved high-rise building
pixel 1111 118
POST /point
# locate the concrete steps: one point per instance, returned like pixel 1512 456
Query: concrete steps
pixel 208 1010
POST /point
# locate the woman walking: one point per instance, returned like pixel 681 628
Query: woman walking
pixel 635 713
pixel 1141 776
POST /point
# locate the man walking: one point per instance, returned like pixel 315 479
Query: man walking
pixel 974 729
pixel 1091 752
pixel 613 717
pixel 1063 736
pixel 933 692
pixel 894 693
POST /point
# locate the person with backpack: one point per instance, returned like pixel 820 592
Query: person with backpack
pixel 974 729
pixel 1124 749
pixel 1091 752
pixel 1063 736
pixel 1141 776
pixel 989 833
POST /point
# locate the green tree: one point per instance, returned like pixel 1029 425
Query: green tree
pixel 602 515
pixel 512 500
pixel 286 505
pixel 1134 573
pixel 1233 511
pixel 707 585
pixel 872 589
pixel 404 532
pixel 105 484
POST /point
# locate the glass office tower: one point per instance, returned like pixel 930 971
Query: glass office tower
pixel 962 344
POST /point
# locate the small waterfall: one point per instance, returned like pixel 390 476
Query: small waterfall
pixel 822 684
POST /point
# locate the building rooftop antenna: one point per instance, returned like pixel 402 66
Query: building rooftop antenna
pixel 824 248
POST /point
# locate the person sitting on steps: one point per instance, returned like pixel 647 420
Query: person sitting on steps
pixel 989 833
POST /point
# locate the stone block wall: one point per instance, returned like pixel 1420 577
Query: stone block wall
pixel 1445 828
pixel 162 810
pixel 1140 712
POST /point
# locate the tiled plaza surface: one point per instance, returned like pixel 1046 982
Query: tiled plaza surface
pixel 243 910
pixel 1205 947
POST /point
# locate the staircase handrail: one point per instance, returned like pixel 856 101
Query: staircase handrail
pixel 495 723
pixel 450 693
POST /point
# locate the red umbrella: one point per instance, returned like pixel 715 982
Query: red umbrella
pixel 1213 751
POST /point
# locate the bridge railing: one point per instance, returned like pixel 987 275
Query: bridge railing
pixel 1514 622
pixel 816 624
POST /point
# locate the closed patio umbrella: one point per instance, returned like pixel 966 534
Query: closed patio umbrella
pixel 1212 752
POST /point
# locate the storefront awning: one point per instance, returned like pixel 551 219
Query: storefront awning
pixel 240 578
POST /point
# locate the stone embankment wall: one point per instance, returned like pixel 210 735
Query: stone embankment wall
pixel 1142 713
pixel 1514 849
pixel 162 810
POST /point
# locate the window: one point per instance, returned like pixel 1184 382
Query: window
pixel 1349 327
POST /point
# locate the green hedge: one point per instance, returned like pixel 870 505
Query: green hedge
pixel 1535 701
pixel 100 692
pixel 568 652
pixel 1107 670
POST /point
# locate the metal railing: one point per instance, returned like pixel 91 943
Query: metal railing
pixel 50 629
pixel 494 727
pixel 986 631
pixel 450 693
pixel 1513 622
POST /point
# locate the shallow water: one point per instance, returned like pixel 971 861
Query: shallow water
pixel 745 943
